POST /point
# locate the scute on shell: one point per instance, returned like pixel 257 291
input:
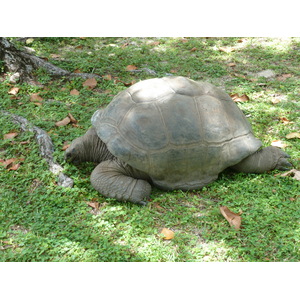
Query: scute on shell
pixel 181 132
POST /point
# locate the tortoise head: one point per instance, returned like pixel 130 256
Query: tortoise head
pixel 75 152
pixel 88 147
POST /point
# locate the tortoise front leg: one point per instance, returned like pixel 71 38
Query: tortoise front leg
pixel 114 180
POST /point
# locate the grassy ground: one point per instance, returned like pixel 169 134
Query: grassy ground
pixel 40 221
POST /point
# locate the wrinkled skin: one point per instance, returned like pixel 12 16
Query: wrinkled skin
pixel 112 178
pixel 88 147
pixel 264 160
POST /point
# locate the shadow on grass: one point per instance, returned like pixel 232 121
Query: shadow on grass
pixel 56 224
pixel 50 226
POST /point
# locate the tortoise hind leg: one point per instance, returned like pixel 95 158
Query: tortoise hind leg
pixel 266 159
pixel 114 180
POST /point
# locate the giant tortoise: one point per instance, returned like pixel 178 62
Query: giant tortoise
pixel 173 133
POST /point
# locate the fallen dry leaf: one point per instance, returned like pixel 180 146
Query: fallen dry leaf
pixel 14 167
pixel 124 45
pixel 126 83
pixel 6 163
pixel 279 144
pixel 10 136
pixel 129 83
pixel 36 97
pixel 67 120
pixel 73 120
pixel 284 120
pixel 10 164
pixel 74 92
pixel 231 65
pixel 226 49
pixel 158 207
pixel 90 83
pixel 283 77
pixel 65 146
pixel 155 43
pixel 240 75
pixel 93 204
pixel 14 91
pixel 107 77
pixel 234 219
pixel 293 173
pixel 167 234
pixel 63 122
pixel 252 79
pixel 238 98
pixel 293 135
pixel 131 67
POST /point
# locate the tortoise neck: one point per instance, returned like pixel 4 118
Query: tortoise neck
pixel 95 149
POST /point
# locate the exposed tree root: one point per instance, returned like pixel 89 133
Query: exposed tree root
pixel 22 64
pixel 46 147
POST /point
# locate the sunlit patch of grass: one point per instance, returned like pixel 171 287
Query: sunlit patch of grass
pixel 41 221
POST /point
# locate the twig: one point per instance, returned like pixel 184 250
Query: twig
pixel 46 147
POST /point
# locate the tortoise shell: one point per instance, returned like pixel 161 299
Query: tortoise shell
pixel 182 133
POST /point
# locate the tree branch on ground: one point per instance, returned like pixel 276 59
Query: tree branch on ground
pixel 22 65
pixel 46 147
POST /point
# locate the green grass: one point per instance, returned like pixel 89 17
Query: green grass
pixel 40 221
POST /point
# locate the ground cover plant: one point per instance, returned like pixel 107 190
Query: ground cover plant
pixel 42 221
